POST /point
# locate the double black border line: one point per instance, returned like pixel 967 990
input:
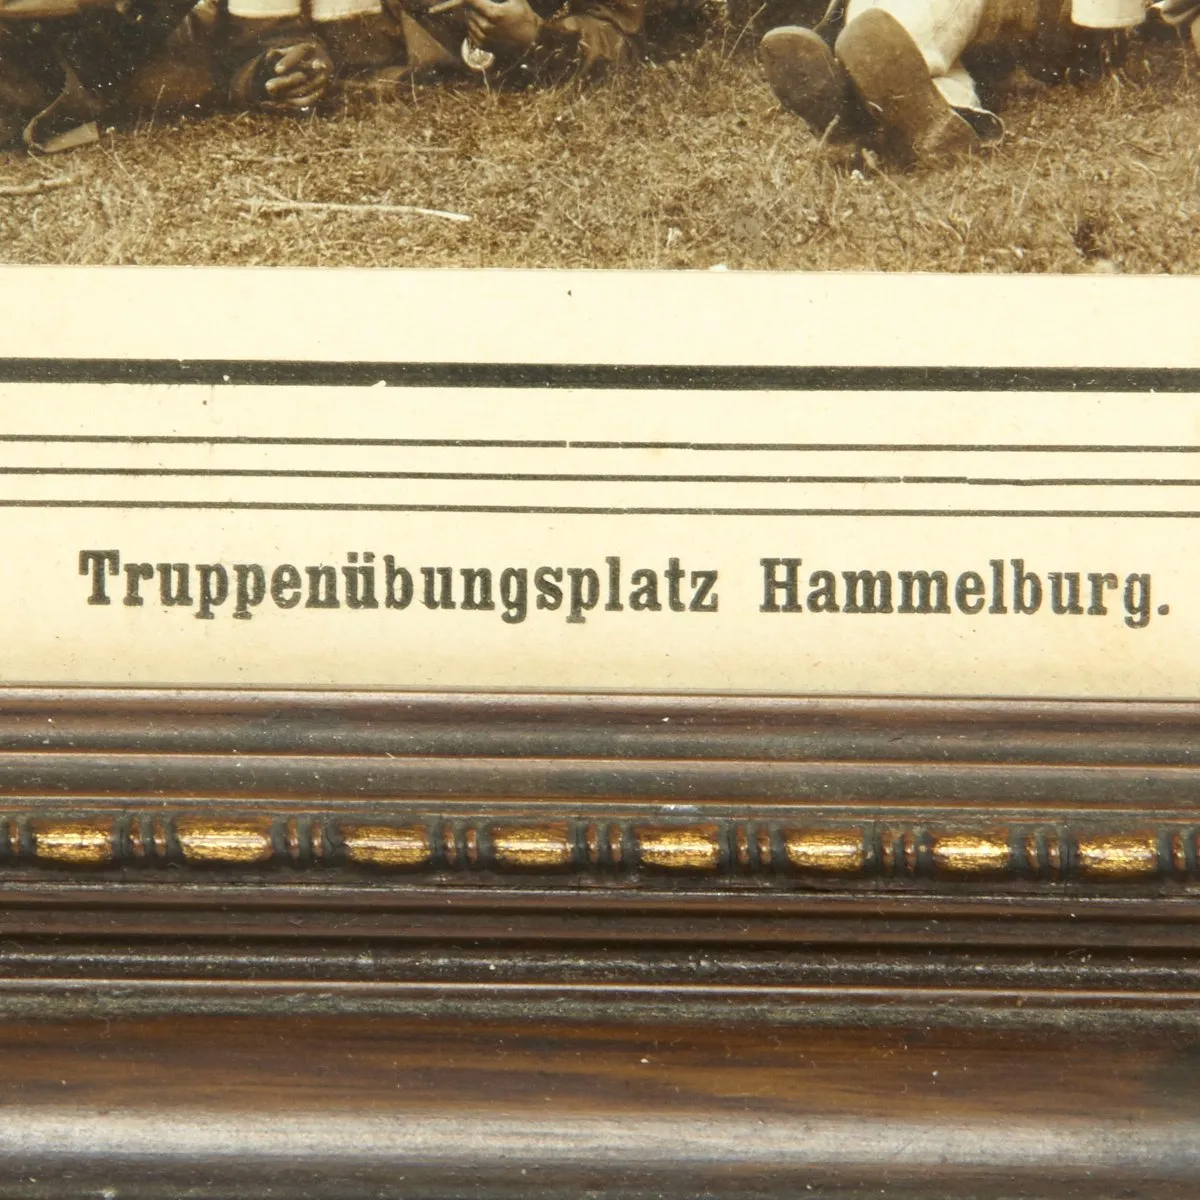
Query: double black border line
pixel 983 381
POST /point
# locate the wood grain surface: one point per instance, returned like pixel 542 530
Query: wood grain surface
pixel 396 946
pixel 340 1107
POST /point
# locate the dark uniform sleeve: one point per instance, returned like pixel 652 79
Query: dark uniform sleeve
pixel 1181 14
pixel 79 56
pixel 586 38
pixel 1062 51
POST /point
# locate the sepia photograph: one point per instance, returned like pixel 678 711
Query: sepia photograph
pixel 1011 136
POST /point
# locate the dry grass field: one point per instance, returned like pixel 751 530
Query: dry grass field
pixel 686 163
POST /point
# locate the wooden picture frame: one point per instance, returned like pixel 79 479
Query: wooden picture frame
pixel 343 944
pixel 354 944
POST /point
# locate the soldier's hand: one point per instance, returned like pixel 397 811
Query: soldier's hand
pixel 296 76
pixel 502 26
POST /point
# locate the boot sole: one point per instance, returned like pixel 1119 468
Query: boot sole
pixel 891 75
pixel 804 75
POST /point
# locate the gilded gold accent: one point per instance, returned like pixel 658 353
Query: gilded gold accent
pixel 1033 855
pixel 764 847
pixel 1054 855
pixel 136 846
pixel 532 847
pixel 679 847
pixel 828 851
pixel 741 842
pixel 971 854
pixel 158 837
pixel 400 848
pixel 887 847
pixel 203 840
pixel 1178 854
pixel 292 834
pixel 100 836
pixel 74 843
pixel 1119 856
pixel 616 845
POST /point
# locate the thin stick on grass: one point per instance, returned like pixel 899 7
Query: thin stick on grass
pixel 36 189
pixel 385 210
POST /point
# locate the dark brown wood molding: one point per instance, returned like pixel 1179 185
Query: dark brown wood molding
pixel 397 946
pixel 653 852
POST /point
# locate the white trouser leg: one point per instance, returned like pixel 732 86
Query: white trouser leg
pixel 321 10
pixel 958 87
pixel 942 30
pixel 265 10
pixel 340 10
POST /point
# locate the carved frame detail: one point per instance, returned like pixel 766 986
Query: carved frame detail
pixel 403 840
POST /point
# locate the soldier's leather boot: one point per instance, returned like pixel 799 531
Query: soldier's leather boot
pixel 67 123
pixel 890 74
pixel 804 75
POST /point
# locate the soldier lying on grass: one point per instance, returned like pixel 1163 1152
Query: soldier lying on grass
pixel 903 71
pixel 277 57
pixel 64 62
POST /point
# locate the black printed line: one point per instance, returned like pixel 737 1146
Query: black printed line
pixel 528 477
pixel 138 439
pixel 601 510
pixel 890 447
pixel 52 439
pixel 598 376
